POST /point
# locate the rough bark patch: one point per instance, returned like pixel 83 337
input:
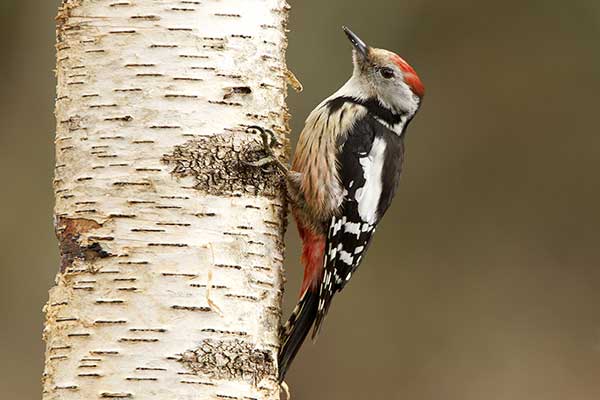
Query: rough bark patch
pixel 68 232
pixel 217 165
pixel 64 13
pixel 230 360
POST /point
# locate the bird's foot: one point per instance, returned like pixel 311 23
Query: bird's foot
pixel 269 141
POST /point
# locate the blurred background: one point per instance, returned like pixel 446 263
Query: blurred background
pixel 483 281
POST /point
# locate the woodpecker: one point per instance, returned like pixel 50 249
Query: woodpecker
pixel 345 172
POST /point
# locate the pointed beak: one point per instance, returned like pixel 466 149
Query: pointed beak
pixel 360 46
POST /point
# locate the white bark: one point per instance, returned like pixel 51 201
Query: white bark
pixel 170 286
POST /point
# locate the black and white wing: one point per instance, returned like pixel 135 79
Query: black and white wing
pixel 370 161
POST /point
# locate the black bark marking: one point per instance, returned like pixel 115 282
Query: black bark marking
pixel 236 90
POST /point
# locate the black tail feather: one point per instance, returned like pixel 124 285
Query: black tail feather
pixel 296 329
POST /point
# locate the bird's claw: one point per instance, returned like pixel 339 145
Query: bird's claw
pixel 260 163
pixel 269 142
pixel 268 138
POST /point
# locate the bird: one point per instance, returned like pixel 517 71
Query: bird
pixel 344 174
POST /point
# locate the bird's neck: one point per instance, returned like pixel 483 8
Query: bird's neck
pixel 357 91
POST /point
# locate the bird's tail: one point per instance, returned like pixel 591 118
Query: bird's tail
pixel 296 329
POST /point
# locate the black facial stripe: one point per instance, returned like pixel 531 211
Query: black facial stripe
pixel 373 105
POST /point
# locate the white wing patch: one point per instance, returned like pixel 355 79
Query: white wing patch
pixel 368 196
pixel 352 227
pixel 337 226
pixel 346 257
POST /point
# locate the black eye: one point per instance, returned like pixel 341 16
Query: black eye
pixel 386 72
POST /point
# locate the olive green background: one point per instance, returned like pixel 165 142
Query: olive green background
pixel 483 280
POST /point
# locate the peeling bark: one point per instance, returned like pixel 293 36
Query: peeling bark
pixel 69 233
pixel 171 249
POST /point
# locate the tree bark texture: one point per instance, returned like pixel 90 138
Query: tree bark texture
pixel 171 273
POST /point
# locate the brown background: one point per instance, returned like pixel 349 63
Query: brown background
pixel 483 280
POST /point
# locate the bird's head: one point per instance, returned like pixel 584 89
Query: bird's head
pixel 385 75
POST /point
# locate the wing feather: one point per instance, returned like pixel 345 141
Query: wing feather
pixel 369 161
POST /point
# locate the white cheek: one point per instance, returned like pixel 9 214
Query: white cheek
pixel 399 97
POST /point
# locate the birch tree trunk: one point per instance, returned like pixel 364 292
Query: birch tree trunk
pixel 171 277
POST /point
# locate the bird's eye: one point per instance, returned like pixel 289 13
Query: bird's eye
pixel 386 72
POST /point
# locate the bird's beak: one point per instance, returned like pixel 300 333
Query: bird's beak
pixel 360 46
